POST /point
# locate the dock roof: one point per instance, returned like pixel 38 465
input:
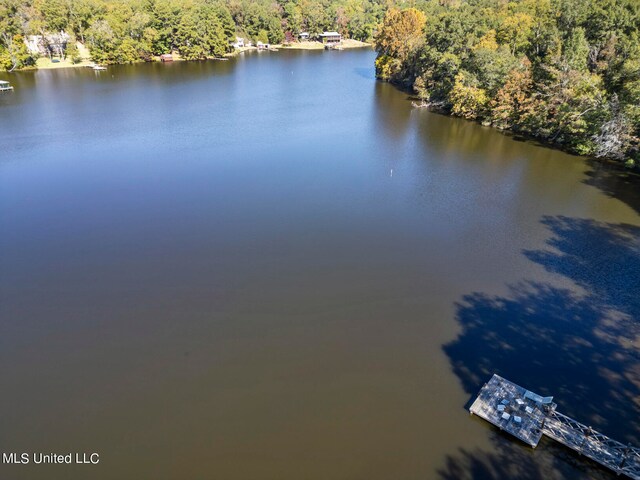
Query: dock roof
pixel 500 402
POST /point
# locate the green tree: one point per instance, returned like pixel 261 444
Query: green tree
pixel 54 14
pixel 81 15
pixel 420 86
pixel 515 30
pixel 262 36
pixel 491 67
pixel 73 54
pixel 574 110
pixel 314 16
pixel 226 21
pixel 294 18
pixel 200 34
pixel 576 49
pixel 101 39
pixel 165 15
pixel 14 53
pixel 127 51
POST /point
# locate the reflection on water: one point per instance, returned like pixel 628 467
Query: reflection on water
pixel 394 122
pixel 614 181
pixel 208 270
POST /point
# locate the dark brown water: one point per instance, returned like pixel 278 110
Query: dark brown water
pixel 275 268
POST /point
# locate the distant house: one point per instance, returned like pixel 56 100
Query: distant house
pixel 49 44
pixel 166 57
pixel 263 46
pixel 330 38
pixel 34 43
pixel 303 36
pixel 239 43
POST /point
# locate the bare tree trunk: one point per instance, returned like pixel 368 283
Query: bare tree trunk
pixel 8 41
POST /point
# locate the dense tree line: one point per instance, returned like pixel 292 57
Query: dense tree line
pixel 564 71
pixel 122 31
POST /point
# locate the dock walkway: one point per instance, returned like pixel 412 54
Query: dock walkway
pixel 527 416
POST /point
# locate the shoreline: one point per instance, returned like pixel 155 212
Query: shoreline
pixel 621 167
pixel 309 45
pixel 44 63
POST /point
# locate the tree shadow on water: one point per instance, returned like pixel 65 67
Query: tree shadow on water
pixel 604 259
pixel 581 345
pixel 512 460
pixel 615 181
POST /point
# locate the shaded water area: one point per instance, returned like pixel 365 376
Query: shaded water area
pixel 273 267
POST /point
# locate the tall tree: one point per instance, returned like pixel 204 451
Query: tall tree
pixel 513 105
pixel 200 33
pixel 576 49
pixel 400 35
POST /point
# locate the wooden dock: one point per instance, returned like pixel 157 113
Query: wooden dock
pixel 527 416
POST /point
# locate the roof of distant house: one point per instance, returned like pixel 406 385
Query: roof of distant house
pixel 329 34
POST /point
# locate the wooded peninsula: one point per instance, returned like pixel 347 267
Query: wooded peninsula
pixel 566 72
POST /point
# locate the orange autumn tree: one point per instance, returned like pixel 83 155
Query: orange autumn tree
pixel 401 33
pixel 514 103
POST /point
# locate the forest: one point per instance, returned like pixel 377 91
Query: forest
pixel 566 72
pixel 126 31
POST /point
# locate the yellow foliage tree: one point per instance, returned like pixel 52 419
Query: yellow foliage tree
pixel 401 33
pixel 467 101
pixel 487 42
pixel 514 30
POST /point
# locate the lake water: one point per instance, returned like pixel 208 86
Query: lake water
pixel 275 268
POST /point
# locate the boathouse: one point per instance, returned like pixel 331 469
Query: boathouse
pixel 166 57
pixel 5 86
pixel 330 38
pixel 303 36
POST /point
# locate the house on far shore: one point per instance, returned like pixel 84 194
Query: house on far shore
pixel 49 44
pixel 303 36
pixel 34 44
pixel 239 43
pixel 166 57
pixel 330 38
pixel 263 46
